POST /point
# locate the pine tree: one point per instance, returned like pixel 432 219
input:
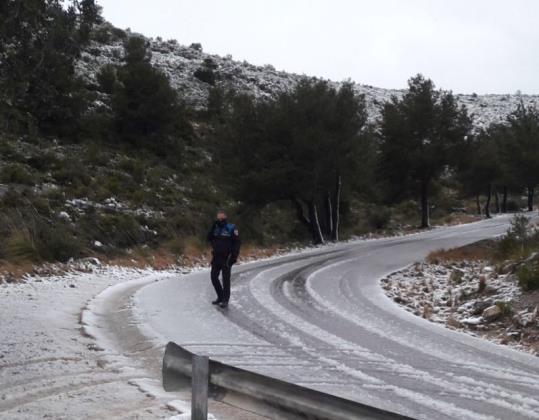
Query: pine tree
pixel 38 84
pixel 147 110
pixel 521 150
pixel 420 135
pixel 89 16
pixel 300 148
pixel 480 170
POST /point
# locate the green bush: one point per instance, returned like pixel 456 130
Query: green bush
pixel 107 78
pixel 113 184
pixel 528 277
pixel 44 161
pixel 102 35
pixel 196 46
pixel 512 205
pixel 95 155
pixel 71 172
pixel 517 240
pixel 136 168
pixel 57 242
pixel 19 246
pixel 16 174
pixel 176 245
pixel 379 217
pixel 119 34
pixel 456 277
pixel 505 307
pixel 38 240
pixel 12 199
pixel 106 33
pixel 9 152
pixel 114 230
pixel 507 246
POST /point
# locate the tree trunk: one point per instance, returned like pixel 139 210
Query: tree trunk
pixel 312 223
pixel 328 220
pixel 497 201
pixel 336 209
pixel 504 200
pixel 478 204
pixel 487 204
pixel 300 214
pixel 531 193
pixel 425 217
pixel 318 238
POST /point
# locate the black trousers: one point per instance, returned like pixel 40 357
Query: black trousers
pixel 220 265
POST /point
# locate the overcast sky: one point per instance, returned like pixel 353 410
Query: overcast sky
pixel 482 46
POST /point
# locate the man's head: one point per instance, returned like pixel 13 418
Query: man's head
pixel 221 216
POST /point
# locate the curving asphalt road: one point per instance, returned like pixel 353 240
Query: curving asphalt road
pixel 320 319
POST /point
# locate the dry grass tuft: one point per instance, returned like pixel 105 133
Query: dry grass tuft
pixel 479 251
pixel 460 219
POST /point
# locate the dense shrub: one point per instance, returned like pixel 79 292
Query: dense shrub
pixel 528 277
pixel 44 161
pixel 31 237
pixel 107 78
pixel 102 35
pixel 106 33
pixel 196 46
pixel 512 206
pixel 114 230
pixel 16 174
pixel 378 217
pixel 57 242
pixel 516 242
pixel 71 172
pixel 136 168
pixel 505 308
pixel 176 245
pixel 96 155
pixel 205 75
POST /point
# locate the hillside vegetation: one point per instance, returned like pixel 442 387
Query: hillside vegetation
pixel 115 145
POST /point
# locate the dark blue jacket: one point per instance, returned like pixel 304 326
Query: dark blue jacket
pixel 225 240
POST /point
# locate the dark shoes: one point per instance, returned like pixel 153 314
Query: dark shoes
pixel 220 303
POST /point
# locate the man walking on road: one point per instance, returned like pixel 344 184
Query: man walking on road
pixel 225 242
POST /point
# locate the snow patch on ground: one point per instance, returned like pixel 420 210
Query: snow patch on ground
pixel 50 367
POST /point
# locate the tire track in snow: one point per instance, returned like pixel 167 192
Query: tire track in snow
pixel 480 390
pixel 302 334
pixel 261 290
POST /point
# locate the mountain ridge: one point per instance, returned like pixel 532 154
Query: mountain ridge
pixel 180 63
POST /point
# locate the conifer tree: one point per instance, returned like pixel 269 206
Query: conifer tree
pixel 420 135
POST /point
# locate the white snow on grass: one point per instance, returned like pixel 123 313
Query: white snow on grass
pixel 451 295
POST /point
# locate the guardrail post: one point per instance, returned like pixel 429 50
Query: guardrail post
pixel 200 379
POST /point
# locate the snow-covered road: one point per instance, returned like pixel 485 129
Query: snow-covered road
pixel 320 319
pixel 84 345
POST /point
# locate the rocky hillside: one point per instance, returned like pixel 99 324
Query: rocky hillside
pixel 181 63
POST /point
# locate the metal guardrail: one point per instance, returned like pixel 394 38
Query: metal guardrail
pixel 257 393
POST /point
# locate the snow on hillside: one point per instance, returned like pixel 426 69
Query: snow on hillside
pixel 180 63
